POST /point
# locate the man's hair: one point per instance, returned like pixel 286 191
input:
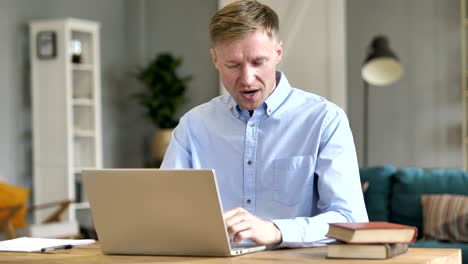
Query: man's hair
pixel 238 19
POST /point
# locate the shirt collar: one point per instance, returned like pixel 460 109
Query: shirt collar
pixel 273 102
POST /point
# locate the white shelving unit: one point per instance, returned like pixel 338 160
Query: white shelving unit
pixel 464 88
pixel 66 99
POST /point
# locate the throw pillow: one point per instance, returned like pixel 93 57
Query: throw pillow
pixel 445 217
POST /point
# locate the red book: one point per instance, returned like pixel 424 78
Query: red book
pixel 372 232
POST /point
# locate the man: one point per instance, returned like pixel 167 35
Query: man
pixel 285 159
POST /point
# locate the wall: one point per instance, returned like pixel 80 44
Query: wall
pixel 132 31
pixel 15 103
pixel 416 121
pixel 413 122
pixel 314 50
pixel 181 27
pixel 155 26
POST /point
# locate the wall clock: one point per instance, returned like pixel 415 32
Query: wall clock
pixel 46 43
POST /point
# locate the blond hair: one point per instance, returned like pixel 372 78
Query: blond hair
pixel 240 18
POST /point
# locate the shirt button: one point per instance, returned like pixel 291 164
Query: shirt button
pixel 252 124
pixel 249 201
pixel 249 162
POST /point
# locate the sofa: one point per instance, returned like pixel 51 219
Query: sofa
pixel 423 198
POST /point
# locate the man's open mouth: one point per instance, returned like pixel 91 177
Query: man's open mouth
pixel 250 92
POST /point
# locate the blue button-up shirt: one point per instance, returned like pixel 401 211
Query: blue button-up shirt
pixel 292 162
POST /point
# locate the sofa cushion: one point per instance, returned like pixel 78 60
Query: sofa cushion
pixel 377 194
pixel 445 217
pixel 410 183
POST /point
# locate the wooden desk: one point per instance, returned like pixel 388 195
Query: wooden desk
pixel 92 254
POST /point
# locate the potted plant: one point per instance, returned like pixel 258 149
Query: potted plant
pixel 162 97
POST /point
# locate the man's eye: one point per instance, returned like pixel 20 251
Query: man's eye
pixel 258 63
pixel 232 66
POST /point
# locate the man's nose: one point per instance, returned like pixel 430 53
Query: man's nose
pixel 247 75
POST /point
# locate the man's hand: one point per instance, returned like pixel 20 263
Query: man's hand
pixel 243 225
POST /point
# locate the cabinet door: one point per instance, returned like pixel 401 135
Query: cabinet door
pixel 84 104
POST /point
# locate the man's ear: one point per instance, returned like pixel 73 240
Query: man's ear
pixel 214 57
pixel 279 51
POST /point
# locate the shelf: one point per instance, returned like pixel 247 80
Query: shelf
pixel 82 84
pixel 83 102
pixel 82 67
pixel 82 205
pixel 83 133
pixel 80 169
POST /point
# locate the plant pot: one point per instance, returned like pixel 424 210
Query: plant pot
pixel 161 139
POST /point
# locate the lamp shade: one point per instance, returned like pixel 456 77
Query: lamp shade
pixel 381 66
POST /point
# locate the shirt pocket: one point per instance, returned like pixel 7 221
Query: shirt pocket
pixel 293 179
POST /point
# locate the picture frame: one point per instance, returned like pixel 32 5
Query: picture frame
pixel 46 45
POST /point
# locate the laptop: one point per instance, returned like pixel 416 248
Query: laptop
pixel 159 212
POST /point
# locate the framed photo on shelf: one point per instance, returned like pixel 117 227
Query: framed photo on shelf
pixel 46 44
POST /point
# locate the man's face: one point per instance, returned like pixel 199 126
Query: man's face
pixel 247 67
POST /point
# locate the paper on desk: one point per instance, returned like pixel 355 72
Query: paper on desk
pixel 30 244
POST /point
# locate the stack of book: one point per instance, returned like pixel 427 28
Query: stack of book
pixel 370 240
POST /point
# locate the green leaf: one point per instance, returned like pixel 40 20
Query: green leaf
pixel 164 89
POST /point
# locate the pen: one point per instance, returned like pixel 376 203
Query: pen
pixel 47 249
